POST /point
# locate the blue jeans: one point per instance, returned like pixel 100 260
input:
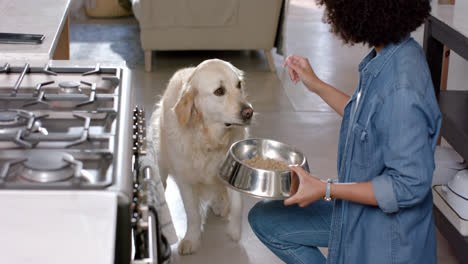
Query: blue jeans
pixel 291 232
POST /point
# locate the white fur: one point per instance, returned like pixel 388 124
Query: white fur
pixel 190 140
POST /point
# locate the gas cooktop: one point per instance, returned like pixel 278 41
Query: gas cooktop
pixel 66 154
pixel 59 125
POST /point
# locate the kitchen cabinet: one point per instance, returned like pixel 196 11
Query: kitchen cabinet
pixel 448 26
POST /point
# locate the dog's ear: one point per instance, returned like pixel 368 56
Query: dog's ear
pixel 185 105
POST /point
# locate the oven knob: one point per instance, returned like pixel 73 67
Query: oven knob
pixel 142 208
pixel 142 224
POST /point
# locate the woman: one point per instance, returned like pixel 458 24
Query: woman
pixel 380 210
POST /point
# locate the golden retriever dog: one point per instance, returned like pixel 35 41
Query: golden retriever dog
pixel 202 112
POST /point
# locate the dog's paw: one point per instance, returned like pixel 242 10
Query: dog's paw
pixel 187 246
pixel 220 207
pixel 234 231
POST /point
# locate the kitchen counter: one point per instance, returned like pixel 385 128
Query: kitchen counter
pixel 454 16
pixel 48 17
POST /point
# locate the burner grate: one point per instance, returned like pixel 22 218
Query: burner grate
pixel 20 79
pixel 18 124
pixel 47 71
pixel 6 68
pixel 6 168
pixel 54 87
pixel 92 95
pixel 95 71
pixel 84 134
pixel 60 125
pixel 13 120
pixel 39 95
pixel 56 169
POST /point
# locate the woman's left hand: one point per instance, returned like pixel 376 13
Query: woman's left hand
pixel 305 188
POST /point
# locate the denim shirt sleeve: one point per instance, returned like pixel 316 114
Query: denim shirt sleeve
pixel 406 129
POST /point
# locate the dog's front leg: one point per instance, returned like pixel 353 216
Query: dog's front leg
pixel 191 200
pixel 234 229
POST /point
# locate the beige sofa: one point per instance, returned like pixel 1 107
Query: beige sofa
pixel 207 25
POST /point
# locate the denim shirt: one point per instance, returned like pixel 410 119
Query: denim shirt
pixel 389 139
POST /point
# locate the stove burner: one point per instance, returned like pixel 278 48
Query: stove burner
pixel 13 120
pixel 48 166
pixel 8 117
pixel 70 86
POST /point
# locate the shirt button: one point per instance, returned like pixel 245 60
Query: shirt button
pixel 363 135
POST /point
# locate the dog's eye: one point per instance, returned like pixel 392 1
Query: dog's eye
pixel 220 91
pixel 239 84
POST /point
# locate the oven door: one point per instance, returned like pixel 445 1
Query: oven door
pixel 150 245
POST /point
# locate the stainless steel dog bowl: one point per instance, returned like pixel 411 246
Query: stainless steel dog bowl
pixel 270 184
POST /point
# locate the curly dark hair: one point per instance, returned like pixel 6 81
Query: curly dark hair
pixel 374 22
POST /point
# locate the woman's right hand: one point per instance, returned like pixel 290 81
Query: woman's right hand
pixel 300 70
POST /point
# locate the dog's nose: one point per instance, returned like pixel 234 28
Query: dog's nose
pixel 247 113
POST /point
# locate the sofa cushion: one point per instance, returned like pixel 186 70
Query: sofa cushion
pixel 194 13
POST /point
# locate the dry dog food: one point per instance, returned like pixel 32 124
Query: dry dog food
pixel 266 164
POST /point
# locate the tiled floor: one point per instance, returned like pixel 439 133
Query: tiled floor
pixel 284 111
